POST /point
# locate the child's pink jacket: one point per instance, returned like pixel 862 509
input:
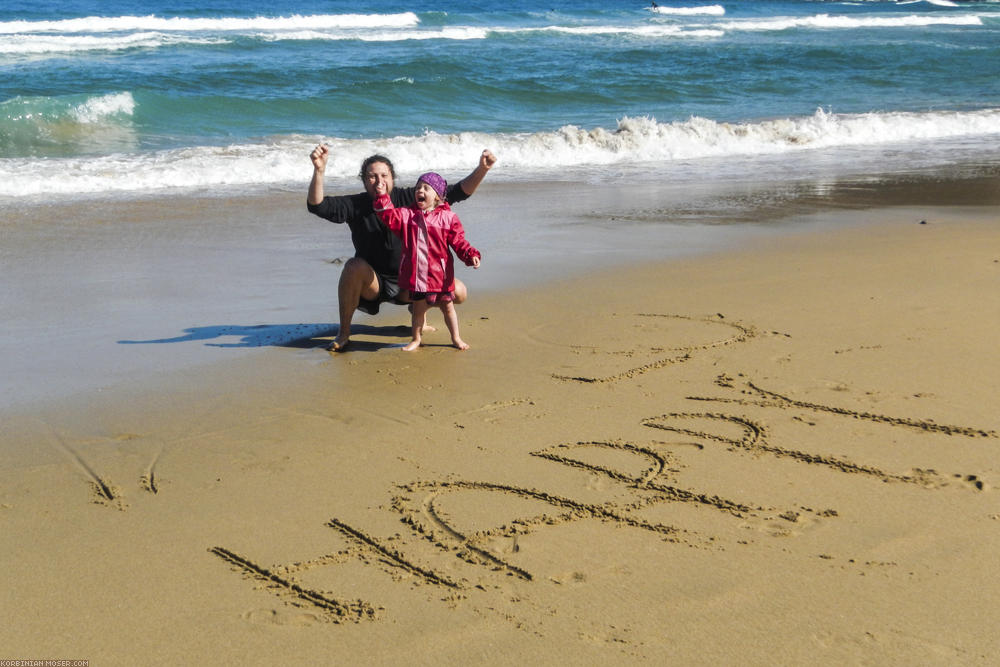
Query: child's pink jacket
pixel 427 266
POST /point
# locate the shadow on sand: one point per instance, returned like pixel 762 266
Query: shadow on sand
pixel 303 336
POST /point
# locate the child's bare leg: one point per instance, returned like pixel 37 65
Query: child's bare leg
pixel 451 319
pixel 418 321
pixel 404 296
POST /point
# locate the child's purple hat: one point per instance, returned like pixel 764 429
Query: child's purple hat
pixel 437 183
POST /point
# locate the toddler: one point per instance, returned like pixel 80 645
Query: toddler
pixel 427 269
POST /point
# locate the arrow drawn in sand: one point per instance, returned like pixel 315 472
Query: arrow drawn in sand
pixel 684 353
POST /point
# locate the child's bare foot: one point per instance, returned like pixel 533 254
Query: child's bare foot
pixel 459 343
pixel 411 346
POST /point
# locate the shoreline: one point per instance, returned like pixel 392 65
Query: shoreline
pixel 137 284
pixel 266 274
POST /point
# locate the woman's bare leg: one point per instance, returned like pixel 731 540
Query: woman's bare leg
pixel 357 281
pixel 461 292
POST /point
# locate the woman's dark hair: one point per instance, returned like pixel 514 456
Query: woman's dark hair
pixel 369 161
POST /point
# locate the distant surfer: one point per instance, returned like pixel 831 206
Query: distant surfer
pixel 370 278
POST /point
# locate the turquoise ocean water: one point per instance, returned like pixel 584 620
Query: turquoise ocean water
pixel 115 98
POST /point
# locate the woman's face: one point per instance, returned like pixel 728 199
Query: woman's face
pixel 378 179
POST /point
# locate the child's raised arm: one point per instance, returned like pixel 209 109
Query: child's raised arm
pixel 391 217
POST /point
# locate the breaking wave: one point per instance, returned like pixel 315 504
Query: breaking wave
pixel 635 140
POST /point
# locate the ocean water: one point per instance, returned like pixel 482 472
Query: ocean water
pixel 121 99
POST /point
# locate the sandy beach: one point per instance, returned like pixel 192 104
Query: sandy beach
pixel 779 447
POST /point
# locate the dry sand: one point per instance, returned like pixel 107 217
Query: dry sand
pixel 783 454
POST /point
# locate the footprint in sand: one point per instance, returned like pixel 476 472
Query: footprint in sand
pixel 280 617
pixel 973 482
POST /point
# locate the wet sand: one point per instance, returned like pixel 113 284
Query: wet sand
pixel 770 447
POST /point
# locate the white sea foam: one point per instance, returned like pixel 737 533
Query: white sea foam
pixel 827 21
pixel 118 33
pixel 638 31
pixel 97 109
pixel 129 32
pixel 634 141
pixel 40 38
pixel 706 10
pixel 49 44
pixel 180 24
pixel 456 33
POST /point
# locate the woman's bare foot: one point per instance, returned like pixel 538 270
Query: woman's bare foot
pixel 459 343
pixel 411 346
pixel 339 344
